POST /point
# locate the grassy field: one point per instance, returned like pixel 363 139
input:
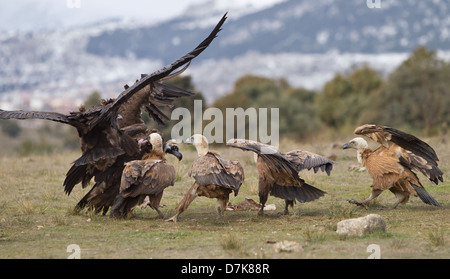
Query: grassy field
pixel 37 219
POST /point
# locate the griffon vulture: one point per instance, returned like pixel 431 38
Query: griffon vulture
pixel 142 178
pixel 112 129
pixel 409 149
pixel 107 183
pixel 391 165
pixel 278 173
pixel 214 177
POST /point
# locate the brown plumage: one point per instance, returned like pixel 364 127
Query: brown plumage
pixel 108 138
pixel 215 178
pixel 142 178
pixel 107 183
pixel 389 170
pixel 411 151
pixel 278 173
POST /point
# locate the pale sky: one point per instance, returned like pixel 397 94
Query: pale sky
pixel 32 14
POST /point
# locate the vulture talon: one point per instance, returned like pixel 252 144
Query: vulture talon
pixel 172 219
pixel 358 203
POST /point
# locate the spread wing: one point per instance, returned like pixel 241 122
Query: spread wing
pixel 20 114
pixel 157 76
pixel 413 151
pixel 212 169
pixel 151 98
pixel 146 177
pixel 308 160
pixel 279 163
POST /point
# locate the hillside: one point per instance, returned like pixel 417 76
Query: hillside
pixel 303 41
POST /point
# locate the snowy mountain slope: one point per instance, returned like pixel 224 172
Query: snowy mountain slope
pixel 292 26
pixel 304 41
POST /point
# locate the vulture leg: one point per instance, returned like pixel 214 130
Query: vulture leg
pixel 185 202
pixel 262 201
pixel 286 208
pixel 221 205
pixel 375 193
pixel 161 215
pixel 264 190
pixel 402 197
pixel 155 204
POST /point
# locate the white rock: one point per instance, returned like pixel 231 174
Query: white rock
pixel 360 226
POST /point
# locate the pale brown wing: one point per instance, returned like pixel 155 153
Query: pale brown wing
pixel 146 177
pixel 211 169
pixel 413 152
pixel 308 160
pixel 235 170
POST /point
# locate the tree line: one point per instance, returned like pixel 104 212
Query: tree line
pixel 414 97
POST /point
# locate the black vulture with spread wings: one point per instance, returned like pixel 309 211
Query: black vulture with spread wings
pixel 109 130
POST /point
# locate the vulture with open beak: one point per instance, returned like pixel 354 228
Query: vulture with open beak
pixel 142 178
pixel 278 173
pixel 214 177
pixel 110 132
pixel 391 165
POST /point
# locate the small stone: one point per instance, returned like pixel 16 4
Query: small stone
pixel 361 226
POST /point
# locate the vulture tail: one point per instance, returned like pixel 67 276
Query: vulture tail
pixel 123 206
pixel 424 195
pixel 304 193
pixel 95 201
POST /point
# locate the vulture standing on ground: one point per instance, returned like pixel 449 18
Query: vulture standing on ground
pixel 142 178
pixel 278 173
pixel 107 183
pixel 391 165
pixel 111 129
pixel 214 177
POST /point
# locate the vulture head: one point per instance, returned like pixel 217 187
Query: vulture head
pixel 156 141
pixel 171 147
pixel 356 143
pixel 200 142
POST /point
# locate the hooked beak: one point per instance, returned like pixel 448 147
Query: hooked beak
pixel 175 153
pixel 188 141
pixel 345 146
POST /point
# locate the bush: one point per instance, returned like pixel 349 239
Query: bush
pixel 28 147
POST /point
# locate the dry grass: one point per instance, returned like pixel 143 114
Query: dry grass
pixel 37 219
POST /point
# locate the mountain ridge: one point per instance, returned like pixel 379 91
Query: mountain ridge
pixel 306 42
